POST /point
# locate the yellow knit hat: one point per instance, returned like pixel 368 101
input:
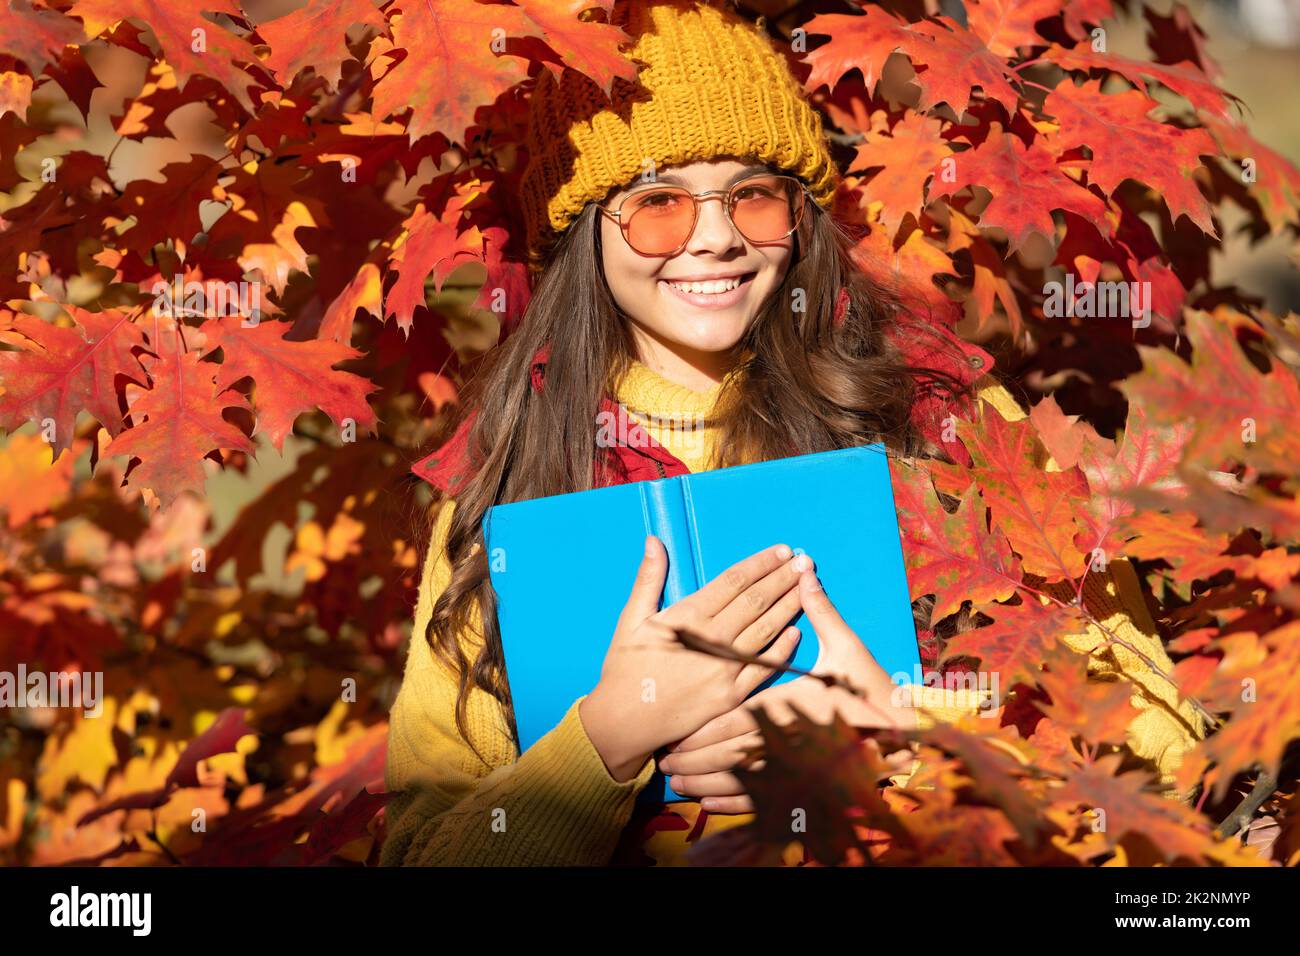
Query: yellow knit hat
pixel 711 84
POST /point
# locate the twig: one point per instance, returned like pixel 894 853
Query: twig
pixel 1239 819
pixel 696 643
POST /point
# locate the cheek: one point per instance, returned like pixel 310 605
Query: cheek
pixel 625 272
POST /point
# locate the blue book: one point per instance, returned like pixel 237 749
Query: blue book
pixel 562 566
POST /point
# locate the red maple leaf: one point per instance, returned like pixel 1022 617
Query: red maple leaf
pixel 1037 509
pixel 1025 182
pixel 35 36
pixel 1126 144
pixel 952 556
pixel 62 371
pixel 455 62
pixel 433 244
pixel 590 47
pixel 176 424
pixel 191 43
pixel 290 377
pixel 316 36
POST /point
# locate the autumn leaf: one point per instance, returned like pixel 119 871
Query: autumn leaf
pixel 1234 411
pixel 291 377
pixel 862 42
pixel 275 260
pixel 905 158
pixel 959 836
pixel 1125 144
pixel 958 61
pixel 990 274
pixel 365 291
pixel 1036 509
pixel 15 93
pixel 1098 712
pixel 1273 179
pixel 952 556
pixel 36 35
pixel 995 777
pixel 1184 79
pixel 315 36
pixel 172 209
pixel 1007 25
pixel 30 482
pixel 1259 683
pixel 590 47
pixel 62 371
pixel 1026 184
pixel 177 423
pixel 433 245
pixel 826 770
pixel 1147 456
pixel 190 42
pixel 1172 828
pixel 1020 638
pixel 220 737
pixel 455 62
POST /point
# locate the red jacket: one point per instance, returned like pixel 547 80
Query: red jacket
pixel 641 457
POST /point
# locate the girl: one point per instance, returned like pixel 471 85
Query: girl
pixel 691 277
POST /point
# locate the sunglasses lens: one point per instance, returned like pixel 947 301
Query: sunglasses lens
pixel 659 220
pixel 766 208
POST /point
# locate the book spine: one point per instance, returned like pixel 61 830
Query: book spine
pixel 666 519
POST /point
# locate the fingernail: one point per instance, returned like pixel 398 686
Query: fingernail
pixel 802 563
pixel 814 583
pixel 783 551
pixel 708 803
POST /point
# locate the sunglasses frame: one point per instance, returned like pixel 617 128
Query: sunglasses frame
pixel 723 195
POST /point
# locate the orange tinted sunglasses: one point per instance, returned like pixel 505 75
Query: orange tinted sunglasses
pixel 659 220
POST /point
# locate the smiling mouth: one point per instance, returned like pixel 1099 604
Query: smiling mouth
pixel 711 286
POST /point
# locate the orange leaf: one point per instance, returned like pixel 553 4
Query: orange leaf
pixel 290 377
pixel 177 423
pixel 316 36
pixel 455 62
pixel 62 371
pixel 951 556
pixel 1035 508
pixel 191 43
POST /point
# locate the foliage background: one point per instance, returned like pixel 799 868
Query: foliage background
pixel 228 670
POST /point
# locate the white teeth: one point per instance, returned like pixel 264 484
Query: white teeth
pixel 712 287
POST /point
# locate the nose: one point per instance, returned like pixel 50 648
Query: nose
pixel 714 232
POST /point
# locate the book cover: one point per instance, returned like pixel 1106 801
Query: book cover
pixel 562 566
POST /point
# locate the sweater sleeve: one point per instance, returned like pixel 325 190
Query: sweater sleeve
pixel 556 804
pixel 1165 726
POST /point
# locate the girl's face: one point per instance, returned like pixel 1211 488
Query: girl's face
pixel 685 332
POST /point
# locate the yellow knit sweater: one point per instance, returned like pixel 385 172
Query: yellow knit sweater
pixel 557 803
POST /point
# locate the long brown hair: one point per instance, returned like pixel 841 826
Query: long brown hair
pixel 810 381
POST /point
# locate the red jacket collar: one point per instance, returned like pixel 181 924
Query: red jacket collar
pixel 637 456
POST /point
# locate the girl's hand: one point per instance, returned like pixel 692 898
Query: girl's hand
pixel 701 765
pixel 653 689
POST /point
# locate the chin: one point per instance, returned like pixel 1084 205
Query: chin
pixel 712 333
